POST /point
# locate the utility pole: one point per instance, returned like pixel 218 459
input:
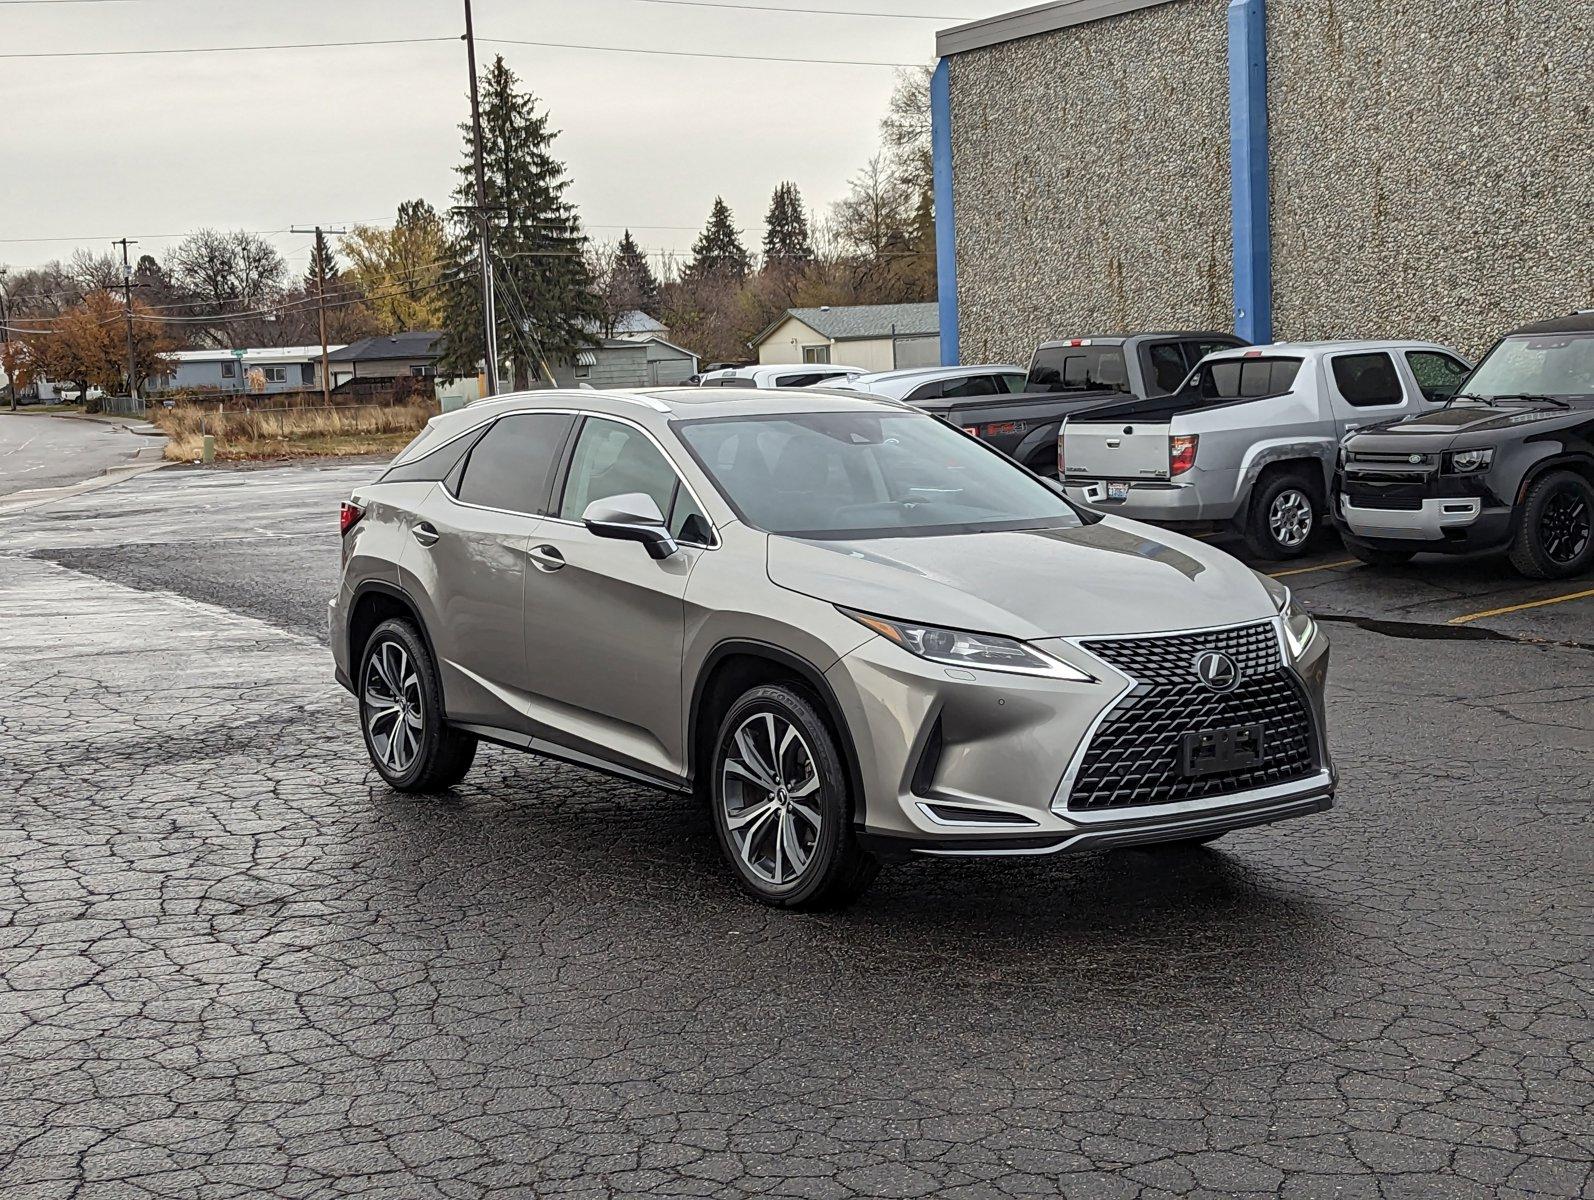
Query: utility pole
pixel 321 304
pixel 5 337
pixel 127 309
pixel 484 232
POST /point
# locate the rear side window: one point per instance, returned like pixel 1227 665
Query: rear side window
pixel 1166 367
pixel 974 385
pixel 512 466
pixel 1079 369
pixel 1367 380
pixel 433 466
pixel 1246 378
pixel 1438 375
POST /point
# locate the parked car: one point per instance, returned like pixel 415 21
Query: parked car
pixel 792 375
pixel 856 632
pixel 1250 437
pixel 1507 464
pixel 917 385
pixel 1071 376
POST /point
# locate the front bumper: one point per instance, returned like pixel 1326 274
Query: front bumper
pixel 1441 524
pixel 959 762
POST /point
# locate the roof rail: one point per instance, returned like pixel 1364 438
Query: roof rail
pixel 647 401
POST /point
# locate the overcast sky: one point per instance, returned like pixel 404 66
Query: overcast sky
pixel 97 148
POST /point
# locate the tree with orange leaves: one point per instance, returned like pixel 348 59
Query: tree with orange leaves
pixel 87 346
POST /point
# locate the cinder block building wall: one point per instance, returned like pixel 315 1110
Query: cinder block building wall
pixel 1430 164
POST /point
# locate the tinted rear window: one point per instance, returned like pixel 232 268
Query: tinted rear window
pixel 1244 378
pixel 1079 369
pixel 512 466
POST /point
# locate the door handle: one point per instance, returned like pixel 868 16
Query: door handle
pixel 546 558
pixel 425 534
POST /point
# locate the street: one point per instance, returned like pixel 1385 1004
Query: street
pixel 41 451
pixel 233 963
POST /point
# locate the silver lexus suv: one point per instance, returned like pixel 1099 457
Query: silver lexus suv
pixel 857 633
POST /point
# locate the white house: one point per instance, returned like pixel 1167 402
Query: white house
pixel 876 337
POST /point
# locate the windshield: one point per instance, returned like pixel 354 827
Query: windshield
pixel 1543 364
pixel 855 475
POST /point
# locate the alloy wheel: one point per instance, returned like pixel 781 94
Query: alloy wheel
pixel 1564 525
pixel 393 712
pixel 1289 518
pixel 770 795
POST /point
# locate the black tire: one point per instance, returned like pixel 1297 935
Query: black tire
pixel 1281 488
pixel 441 754
pixel 835 868
pixel 1555 539
pixel 1379 558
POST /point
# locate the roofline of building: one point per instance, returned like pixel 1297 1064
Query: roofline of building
pixel 1027 22
pixel 791 315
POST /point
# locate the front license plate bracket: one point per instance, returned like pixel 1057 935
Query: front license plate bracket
pixel 1222 751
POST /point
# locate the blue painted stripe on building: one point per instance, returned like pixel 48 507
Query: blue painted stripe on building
pixel 946 267
pixel 1248 170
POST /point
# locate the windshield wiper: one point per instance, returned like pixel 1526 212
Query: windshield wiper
pixel 1559 403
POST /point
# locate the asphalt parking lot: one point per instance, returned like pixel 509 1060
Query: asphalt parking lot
pixel 232 963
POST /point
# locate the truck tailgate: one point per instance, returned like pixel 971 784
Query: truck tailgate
pixel 1115 450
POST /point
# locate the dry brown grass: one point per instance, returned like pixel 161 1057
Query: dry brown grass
pixel 290 433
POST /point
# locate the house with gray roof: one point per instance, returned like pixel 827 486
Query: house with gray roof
pixel 876 337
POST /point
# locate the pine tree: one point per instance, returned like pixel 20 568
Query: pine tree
pixel 787 245
pixel 542 285
pixel 328 263
pixel 718 252
pixel 634 284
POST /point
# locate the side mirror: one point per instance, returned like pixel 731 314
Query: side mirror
pixel 633 517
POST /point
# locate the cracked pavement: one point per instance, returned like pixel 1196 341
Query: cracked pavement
pixel 233 964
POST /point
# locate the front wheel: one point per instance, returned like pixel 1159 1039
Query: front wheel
pixel 781 803
pixel 1556 537
pixel 1282 517
pixel 401 713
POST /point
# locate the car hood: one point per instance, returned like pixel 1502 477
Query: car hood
pixel 1466 418
pixel 1110 577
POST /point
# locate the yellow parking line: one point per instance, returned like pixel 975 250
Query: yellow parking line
pixel 1349 562
pixel 1511 608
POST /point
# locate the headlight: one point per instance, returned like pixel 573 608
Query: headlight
pixel 1300 627
pixel 959 648
pixel 1466 462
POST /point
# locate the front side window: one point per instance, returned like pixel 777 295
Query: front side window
pixel 857 475
pixel 1438 375
pixel 612 459
pixel 512 466
pixel 1556 364
pixel 1367 380
pixel 1079 369
pixel 1242 378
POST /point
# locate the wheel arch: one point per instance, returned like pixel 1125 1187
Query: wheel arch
pixel 1566 460
pixel 737 664
pixel 375 601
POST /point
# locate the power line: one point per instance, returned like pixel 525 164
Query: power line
pixel 725 55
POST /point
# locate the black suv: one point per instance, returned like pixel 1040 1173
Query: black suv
pixel 1507 464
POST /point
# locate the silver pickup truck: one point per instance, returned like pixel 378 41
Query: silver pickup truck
pixel 1251 435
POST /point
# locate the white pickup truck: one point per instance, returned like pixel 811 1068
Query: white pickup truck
pixel 1251 435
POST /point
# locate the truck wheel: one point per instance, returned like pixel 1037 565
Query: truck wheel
pixel 1282 517
pixel 1556 537
pixel 1379 558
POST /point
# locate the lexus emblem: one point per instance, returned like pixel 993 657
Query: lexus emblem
pixel 1217 670
pixel 1414 458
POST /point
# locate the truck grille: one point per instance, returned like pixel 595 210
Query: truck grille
pixel 1373 499
pixel 1136 755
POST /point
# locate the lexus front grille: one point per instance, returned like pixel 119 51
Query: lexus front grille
pixel 1136 755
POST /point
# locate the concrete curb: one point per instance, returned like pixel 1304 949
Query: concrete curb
pixel 26 501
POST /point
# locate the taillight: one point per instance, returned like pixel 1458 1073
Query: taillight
pixel 1061 466
pixel 1181 453
pixel 971 430
pixel 349 516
